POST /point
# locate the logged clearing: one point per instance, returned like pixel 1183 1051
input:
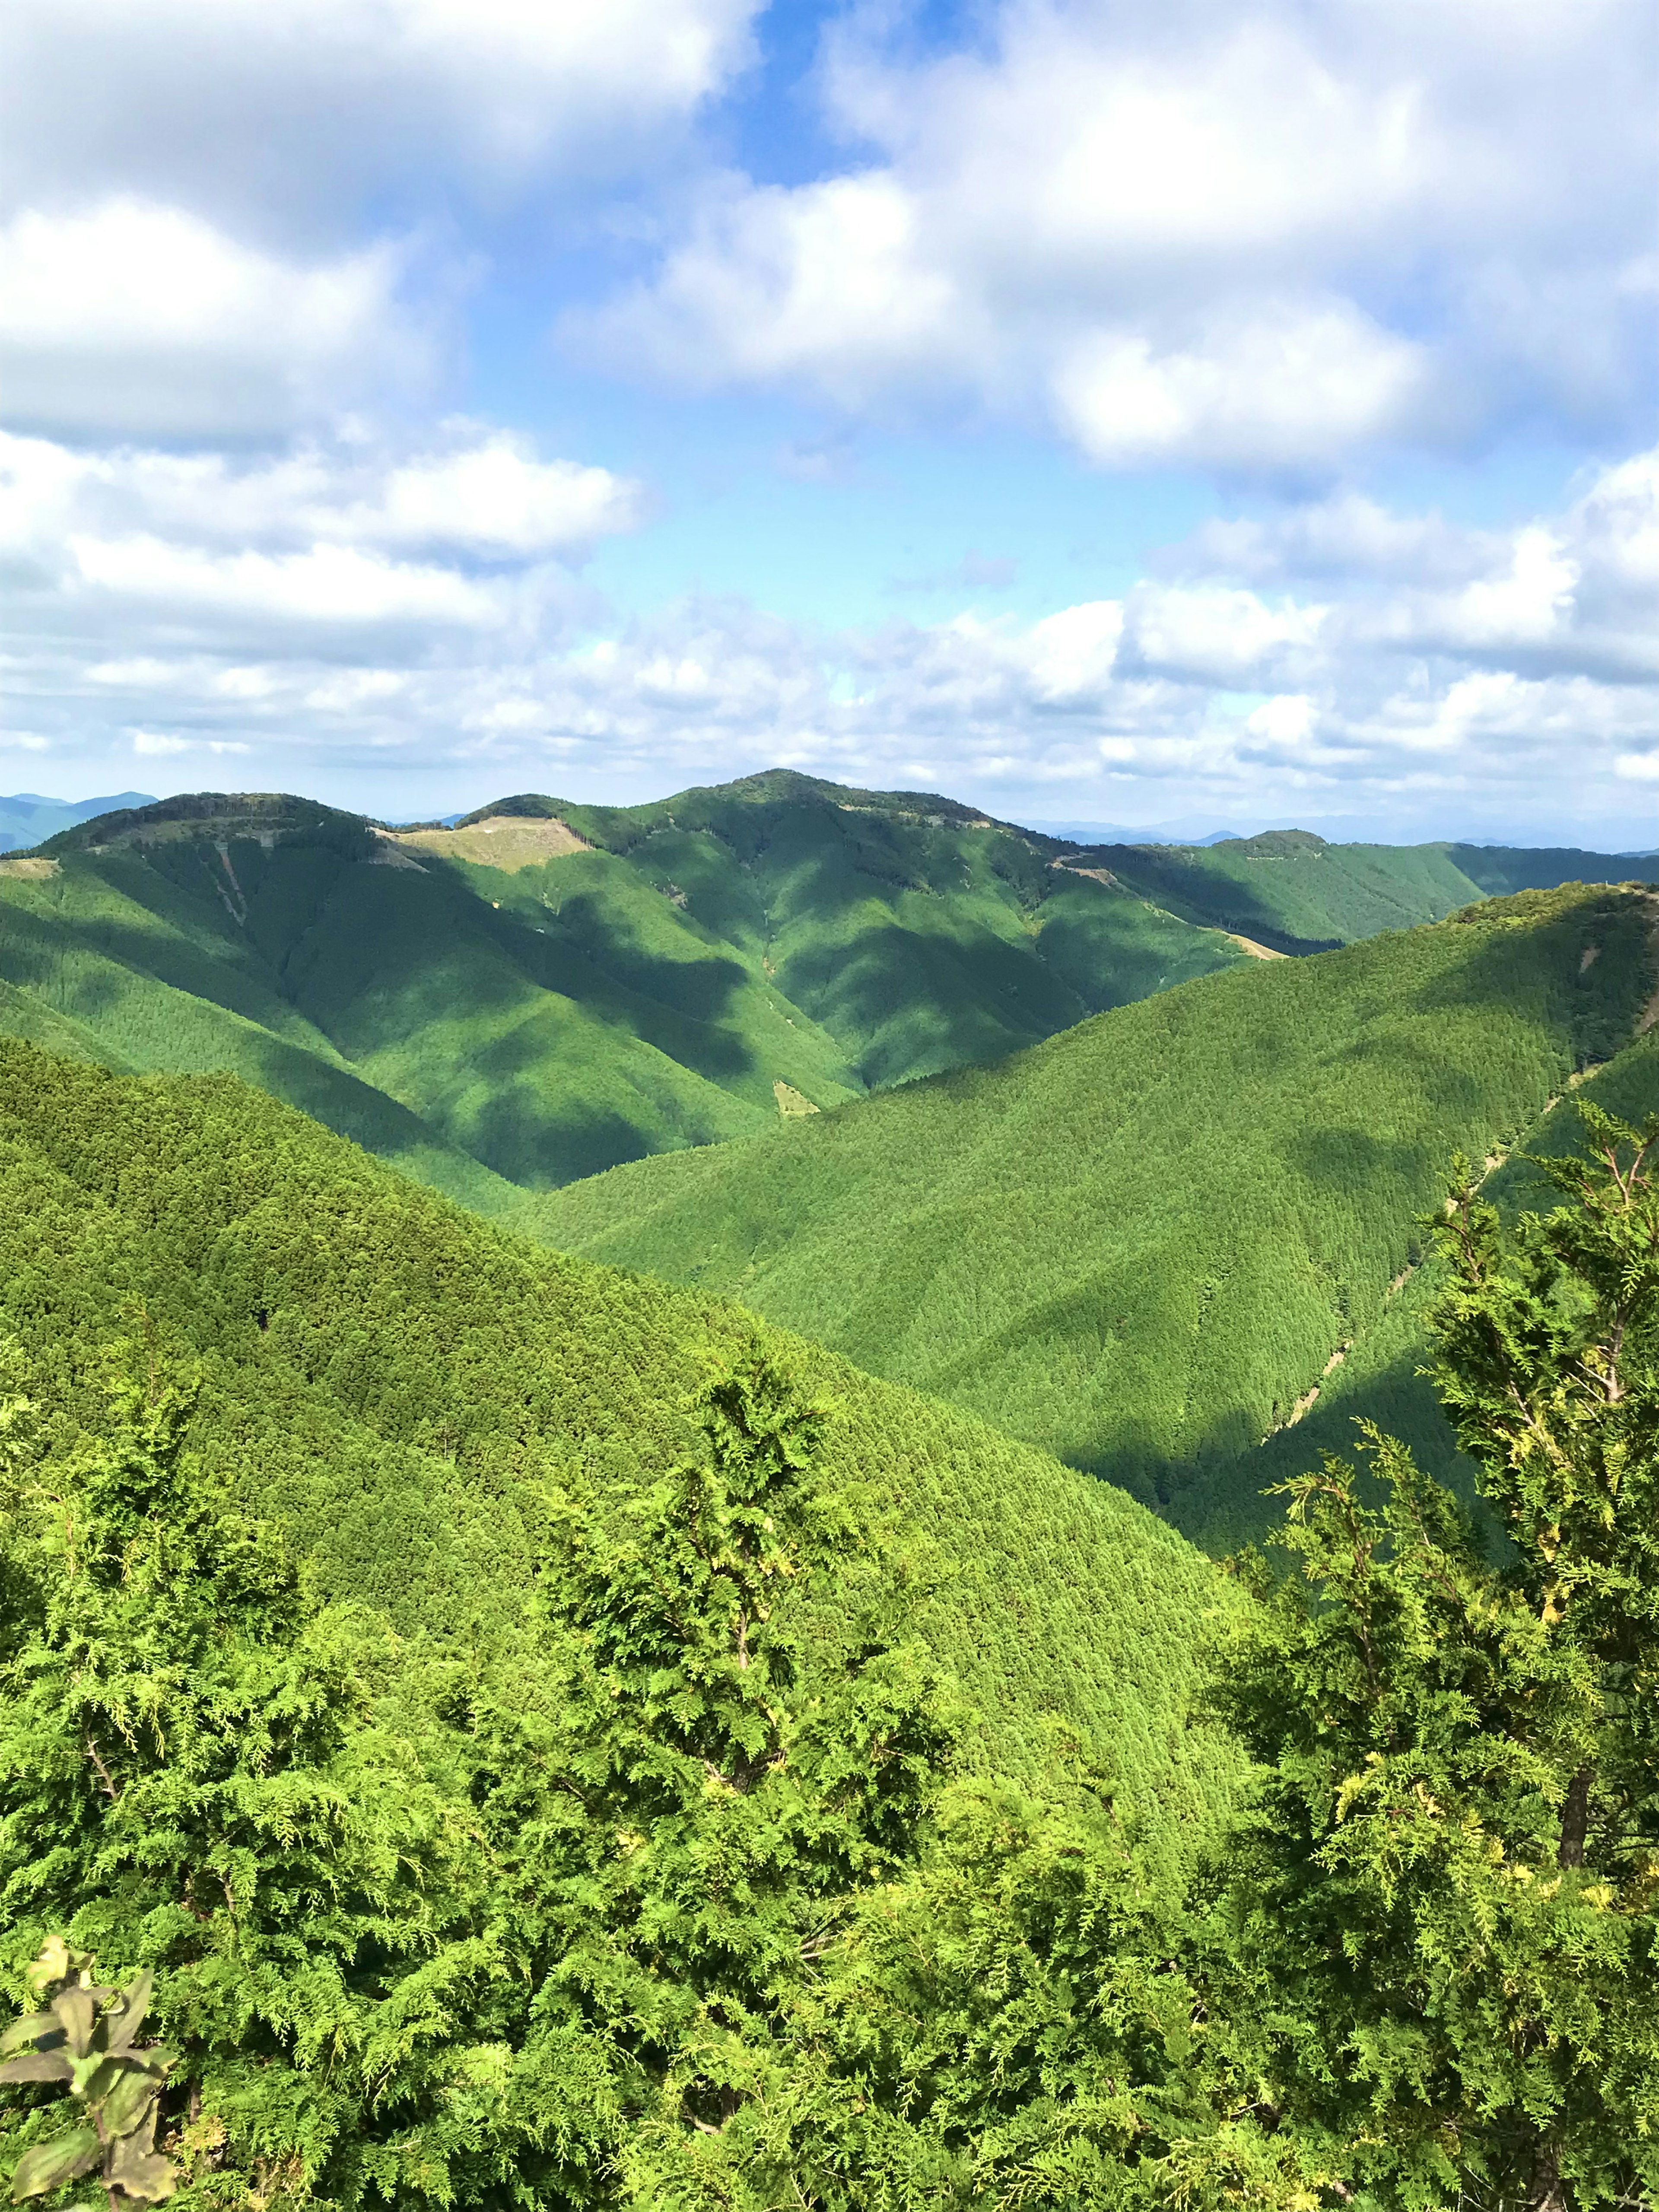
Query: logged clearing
pixel 32 870
pixel 508 841
pixel 1256 951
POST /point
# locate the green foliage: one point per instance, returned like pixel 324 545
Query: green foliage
pixel 1445 1912
pixel 1043 1242
pixel 83 2041
pixel 199 1773
pixel 689 1790
pixel 585 1917
pixel 396 1383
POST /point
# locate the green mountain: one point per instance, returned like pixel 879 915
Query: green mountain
pixel 1149 1244
pixel 1290 891
pixel 516 999
pixel 546 990
pixel 399 1380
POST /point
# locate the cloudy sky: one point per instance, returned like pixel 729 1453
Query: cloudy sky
pixel 1150 411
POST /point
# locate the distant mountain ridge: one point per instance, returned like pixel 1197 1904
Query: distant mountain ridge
pixel 541 989
pixel 27 818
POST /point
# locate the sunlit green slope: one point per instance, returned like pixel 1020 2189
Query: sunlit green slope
pixel 1143 1243
pixel 919 933
pixel 550 989
pixel 535 1007
pixel 400 1380
pixel 1292 892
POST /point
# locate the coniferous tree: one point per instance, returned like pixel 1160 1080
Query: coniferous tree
pixel 729 1743
pixel 1447 1915
pixel 197 1777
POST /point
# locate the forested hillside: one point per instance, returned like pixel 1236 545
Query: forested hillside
pixel 511 1000
pixel 546 989
pixel 399 1382
pixel 1149 1244
pixel 1291 891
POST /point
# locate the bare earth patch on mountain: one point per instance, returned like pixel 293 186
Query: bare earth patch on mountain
pixel 508 841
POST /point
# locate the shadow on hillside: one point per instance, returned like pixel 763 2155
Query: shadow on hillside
pixel 1198 895
pixel 906 1002
pixel 687 1008
pixel 1215 1496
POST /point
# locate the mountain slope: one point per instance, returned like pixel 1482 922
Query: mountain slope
pixel 1291 891
pixel 510 1000
pixel 546 990
pixel 539 1046
pixel 399 1380
pixel 1142 1244
pixel 918 933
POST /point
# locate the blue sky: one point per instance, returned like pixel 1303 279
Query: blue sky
pixel 1145 413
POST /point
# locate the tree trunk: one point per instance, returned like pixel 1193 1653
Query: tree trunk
pixel 1546 2194
pixel 1574 1820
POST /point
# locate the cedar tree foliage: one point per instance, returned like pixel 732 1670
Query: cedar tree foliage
pixel 1444 1915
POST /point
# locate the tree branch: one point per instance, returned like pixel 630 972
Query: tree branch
pixel 104 1773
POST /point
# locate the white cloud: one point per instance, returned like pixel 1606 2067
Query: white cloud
pixel 495 496
pixel 329 587
pixel 1209 634
pixel 1257 237
pixel 1522 687
pixel 1308 383
pixel 288 112
pixel 330 541
pixel 134 318
pixel 475 491
pixel 830 282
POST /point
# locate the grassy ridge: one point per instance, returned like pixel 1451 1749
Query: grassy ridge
pixel 552 989
pixel 1291 890
pixel 1141 1244
pixel 539 1023
pixel 398 1379
pixel 917 933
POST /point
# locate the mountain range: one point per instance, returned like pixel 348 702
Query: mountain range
pixel 1121 1148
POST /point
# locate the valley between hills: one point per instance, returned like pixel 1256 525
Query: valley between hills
pixel 1036 1127
pixel 632 1452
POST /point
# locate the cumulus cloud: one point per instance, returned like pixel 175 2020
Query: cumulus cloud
pixel 1305 383
pixel 222 219
pixel 1530 668
pixel 1255 238
pixel 134 318
pixel 285 113
pixel 325 550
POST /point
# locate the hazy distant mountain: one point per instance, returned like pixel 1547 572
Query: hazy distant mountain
pixel 26 817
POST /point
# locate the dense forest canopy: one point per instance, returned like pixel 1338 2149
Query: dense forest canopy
pixel 547 989
pixel 658 1857
pixel 1155 1244
pixel 480 1727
